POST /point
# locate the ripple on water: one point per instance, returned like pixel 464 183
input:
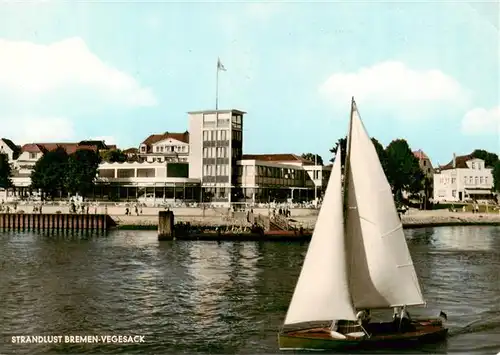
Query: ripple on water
pixel 199 297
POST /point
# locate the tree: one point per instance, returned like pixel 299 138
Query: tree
pixel 403 170
pixel 113 156
pixel 82 171
pixel 313 157
pixel 428 187
pixel 490 159
pixel 382 154
pixel 5 172
pixel 496 176
pixel 49 173
pixel 342 143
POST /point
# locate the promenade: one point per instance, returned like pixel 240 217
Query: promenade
pixel 299 217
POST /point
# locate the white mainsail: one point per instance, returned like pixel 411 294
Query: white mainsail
pixel 381 272
pixel 322 290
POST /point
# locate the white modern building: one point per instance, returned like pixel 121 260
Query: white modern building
pixel 205 164
pixel 266 177
pixel 153 181
pixel 462 179
pixel 216 139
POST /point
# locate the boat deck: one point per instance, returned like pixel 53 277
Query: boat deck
pixel 378 331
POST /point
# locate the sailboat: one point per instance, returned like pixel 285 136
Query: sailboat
pixel 357 261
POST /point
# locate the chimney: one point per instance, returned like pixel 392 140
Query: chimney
pixel 454 160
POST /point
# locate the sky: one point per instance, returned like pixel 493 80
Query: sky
pixel 428 72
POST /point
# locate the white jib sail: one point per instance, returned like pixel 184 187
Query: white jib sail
pixel 322 291
pixel 381 269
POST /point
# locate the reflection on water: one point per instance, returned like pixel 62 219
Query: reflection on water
pixel 209 271
pixel 200 297
pixel 464 238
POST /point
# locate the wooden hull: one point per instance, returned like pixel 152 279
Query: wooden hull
pixel 317 339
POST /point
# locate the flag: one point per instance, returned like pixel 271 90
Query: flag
pixel 219 65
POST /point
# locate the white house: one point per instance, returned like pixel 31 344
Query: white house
pixel 462 179
pixel 8 147
pixel 165 147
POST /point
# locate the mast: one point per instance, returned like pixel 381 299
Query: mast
pixel 346 165
pixel 346 196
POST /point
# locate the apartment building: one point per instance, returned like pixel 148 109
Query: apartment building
pixel 165 147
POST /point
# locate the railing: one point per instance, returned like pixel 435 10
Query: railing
pixel 281 222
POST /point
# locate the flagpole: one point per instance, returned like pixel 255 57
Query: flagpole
pixel 216 124
pixel 315 180
pixel 217 88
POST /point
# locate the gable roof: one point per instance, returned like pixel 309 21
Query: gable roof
pixel 154 138
pixel 11 145
pixel 460 162
pixel 420 155
pixel 130 151
pixel 45 147
pixel 287 157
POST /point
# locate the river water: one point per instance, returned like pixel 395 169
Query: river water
pixel 230 297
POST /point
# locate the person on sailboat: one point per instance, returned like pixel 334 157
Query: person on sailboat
pixel 402 319
pixel 364 317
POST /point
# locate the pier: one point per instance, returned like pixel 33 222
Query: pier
pixel 55 222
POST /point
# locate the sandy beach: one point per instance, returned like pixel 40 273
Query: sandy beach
pixel 304 217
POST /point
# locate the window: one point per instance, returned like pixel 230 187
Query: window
pixel 465 180
pixel 486 180
pixel 205 152
pixel 205 136
pixel 212 135
pixel 425 163
pixel 473 165
pixel 223 135
pixel 478 166
pixel 212 152
pixel 470 180
pixel 481 180
pixel 143 149
pixel 477 180
pixel 453 180
pixel 454 193
pixel 32 155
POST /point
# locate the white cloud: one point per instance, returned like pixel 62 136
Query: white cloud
pixel 30 71
pixel 480 121
pixel 263 10
pixel 38 129
pixel 393 86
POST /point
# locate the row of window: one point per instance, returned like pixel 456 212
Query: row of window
pixel 170 148
pixel 216 170
pixel 474 166
pixel 166 159
pixel 220 135
pixel 267 171
pixel 215 135
pixel 468 180
pixel 219 192
pixel 213 152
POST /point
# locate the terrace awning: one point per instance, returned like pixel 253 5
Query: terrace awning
pixel 478 191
